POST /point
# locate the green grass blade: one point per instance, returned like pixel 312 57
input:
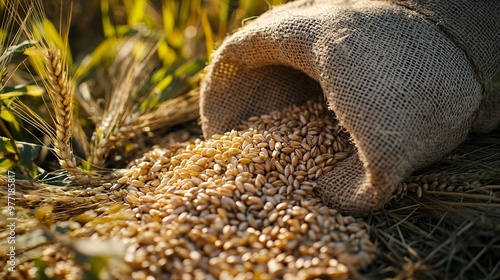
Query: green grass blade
pixel 137 13
pixel 104 53
pixel 107 25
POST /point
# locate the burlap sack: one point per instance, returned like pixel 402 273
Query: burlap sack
pixel 407 79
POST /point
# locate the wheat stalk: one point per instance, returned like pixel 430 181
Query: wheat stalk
pixel 170 113
pixel 60 92
pixel 110 137
pixel 62 99
pixel 173 111
pixel 131 68
pixel 8 40
pixel 56 82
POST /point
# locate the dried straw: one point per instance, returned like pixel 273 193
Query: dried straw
pixel 450 231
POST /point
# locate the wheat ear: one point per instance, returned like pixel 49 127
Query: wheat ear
pixel 61 94
pixel 120 116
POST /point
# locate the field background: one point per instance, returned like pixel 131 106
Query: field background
pixel 169 40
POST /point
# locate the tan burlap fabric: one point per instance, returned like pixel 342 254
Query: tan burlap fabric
pixel 407 79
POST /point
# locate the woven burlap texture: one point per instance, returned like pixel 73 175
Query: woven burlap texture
pixel 407 79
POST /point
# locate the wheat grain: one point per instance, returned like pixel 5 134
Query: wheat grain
pixel 225 216
pixel 237 205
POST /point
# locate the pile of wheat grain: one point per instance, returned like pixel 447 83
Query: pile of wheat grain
pixel 239 205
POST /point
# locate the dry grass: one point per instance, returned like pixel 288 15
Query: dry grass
pixel 445 234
